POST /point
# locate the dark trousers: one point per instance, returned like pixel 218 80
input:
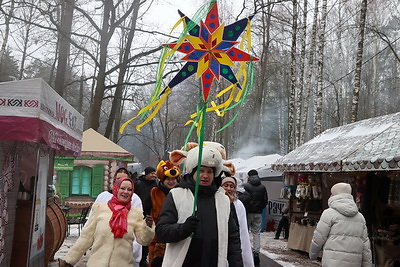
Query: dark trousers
pixel 283 224
pixel 145 252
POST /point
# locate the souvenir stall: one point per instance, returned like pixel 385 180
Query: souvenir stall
pixel 365 154
pixel 36 124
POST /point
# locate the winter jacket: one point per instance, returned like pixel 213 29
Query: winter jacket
pixel 104 197
pixel 142 189
pixel 245 198
pixel 107 250
pixel 258 193
pixel 342 233
pixel 216 239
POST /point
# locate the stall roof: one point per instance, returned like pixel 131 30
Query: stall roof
pixel 260 163
pixel 97 143
pixel 31 111
pixel 367 145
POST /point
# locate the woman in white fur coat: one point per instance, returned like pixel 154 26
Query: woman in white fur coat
pixel 341 232
pixel 110 230
pixel 229 184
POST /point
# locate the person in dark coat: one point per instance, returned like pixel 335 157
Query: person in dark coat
pixel 283 223
pixel 211 237
pixel 243 196
pixel 259 200
pixel 143 188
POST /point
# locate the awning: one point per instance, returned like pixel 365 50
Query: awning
pixel 31 111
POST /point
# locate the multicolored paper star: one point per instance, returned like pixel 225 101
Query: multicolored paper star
pixel 210 51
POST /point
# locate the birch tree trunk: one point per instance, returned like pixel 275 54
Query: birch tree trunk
pixel 300 99
pixel 321 48
pixel 292 96
pixel 308 86
pixel 360 49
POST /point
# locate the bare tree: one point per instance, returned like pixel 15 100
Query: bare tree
pixel 360 49
pixel 321 49
pixel 63 43
pixel 308 84
pixel 6 31
pixel 300 99
pixel 125 53
pixel 293 84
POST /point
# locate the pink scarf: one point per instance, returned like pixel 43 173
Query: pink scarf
pixel 119 218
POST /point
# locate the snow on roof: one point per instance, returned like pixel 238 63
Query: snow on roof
pixel 260 163
pixel 371 144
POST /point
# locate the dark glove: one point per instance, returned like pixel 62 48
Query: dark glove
pixel 63 263
pixel 189 226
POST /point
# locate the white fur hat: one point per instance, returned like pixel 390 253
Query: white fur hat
pixel 210 158
pixel 341 188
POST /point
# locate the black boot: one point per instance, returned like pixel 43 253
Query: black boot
pixel 256 257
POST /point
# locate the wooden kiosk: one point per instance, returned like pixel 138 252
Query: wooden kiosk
pixel 35 125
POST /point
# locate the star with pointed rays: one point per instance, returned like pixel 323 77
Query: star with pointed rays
pixel 210 50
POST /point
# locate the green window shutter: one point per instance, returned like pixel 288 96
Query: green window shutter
pixel 63 183
pixel 97 180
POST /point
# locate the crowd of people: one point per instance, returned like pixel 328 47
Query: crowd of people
pixel 204 217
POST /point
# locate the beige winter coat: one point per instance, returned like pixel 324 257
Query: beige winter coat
pixel 107 250
pixel 342 234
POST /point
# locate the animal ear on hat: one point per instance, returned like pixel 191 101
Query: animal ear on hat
pixel 189 146
pixel 177 156
pixel 160 169
pixel 229 167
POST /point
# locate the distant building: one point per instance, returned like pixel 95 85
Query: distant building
pixel 81 179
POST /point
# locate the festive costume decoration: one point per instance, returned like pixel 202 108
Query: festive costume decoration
pixel 167 169
pixel 210 53
pixel 228 166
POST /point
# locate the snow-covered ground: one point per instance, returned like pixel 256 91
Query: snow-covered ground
pixel 274 249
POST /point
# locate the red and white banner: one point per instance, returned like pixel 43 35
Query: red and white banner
pixel 31 111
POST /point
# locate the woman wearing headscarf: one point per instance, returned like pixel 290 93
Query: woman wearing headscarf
pixel 229 184
pixel 110 230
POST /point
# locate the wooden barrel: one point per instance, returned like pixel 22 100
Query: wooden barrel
pixel 56 229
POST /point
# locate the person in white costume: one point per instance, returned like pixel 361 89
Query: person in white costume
pixel 229 185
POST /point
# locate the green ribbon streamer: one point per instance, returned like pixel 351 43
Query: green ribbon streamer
pixel 200 142
pixel 200 156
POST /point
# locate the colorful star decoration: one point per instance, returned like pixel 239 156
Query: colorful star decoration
pixel 210 52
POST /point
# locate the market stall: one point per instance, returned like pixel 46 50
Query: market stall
pixel 35 125
pixel 365 154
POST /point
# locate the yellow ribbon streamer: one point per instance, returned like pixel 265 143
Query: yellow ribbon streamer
pixel 150 106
